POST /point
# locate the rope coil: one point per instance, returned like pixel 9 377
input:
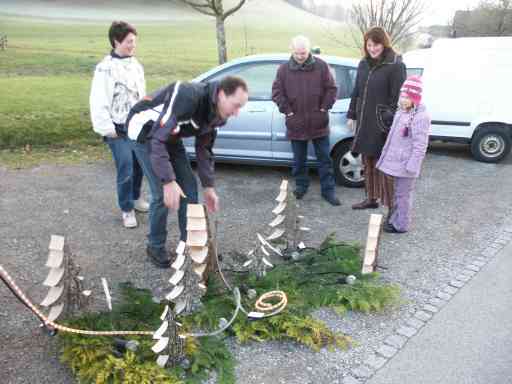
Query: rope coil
pixel 263 305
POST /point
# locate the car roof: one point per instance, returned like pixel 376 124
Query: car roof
pixel 337 60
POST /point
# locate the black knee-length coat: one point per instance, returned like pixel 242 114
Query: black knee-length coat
pixel 374 100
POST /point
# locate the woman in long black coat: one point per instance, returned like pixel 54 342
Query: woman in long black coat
pixel 380 75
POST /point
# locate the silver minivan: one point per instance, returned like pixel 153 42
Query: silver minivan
pixel 258 134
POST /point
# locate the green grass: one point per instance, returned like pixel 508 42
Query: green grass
pixel 46 70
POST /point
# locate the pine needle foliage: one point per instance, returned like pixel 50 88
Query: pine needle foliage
pixel 316 280
pixel 95 360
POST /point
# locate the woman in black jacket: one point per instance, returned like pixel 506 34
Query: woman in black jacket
pixel 380 75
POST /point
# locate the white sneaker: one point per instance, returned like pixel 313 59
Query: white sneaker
pixel 141 205
pixel 129 219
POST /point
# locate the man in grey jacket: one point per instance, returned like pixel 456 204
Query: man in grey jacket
pixel 160 121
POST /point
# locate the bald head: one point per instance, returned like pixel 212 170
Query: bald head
pixel 301 48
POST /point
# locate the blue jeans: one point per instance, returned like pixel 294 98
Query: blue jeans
pixel 158 212
pixel 300 169
pixel 129 173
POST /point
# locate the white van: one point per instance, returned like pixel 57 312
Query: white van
pixel 467 87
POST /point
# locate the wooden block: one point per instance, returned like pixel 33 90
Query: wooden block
pixel 372 243
pixel 279 209
pixel 54 277
pixel 282 196
pixel 202 286
pixel 161 330
pixel 177 277
pixel 261 239
pixel 161 360
pixel 55 312
pixel 178 263
pixel 55 259
pixel 180 249
pixel 198 254
pixel 276 234
pixel 277 221
pixel 53 295
pixel 56 243
pixel 196 224
pixel 197 238
pixel 248 262
pixel 164 313
pixel 195 210
pixel 256 315
pixel 199 269
pixel 177 290
pixel 268 245
pixel 375 219
pixel 180 306
pixel 160 345
pixel 267 263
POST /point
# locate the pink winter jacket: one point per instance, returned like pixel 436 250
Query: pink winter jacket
pixel 405 147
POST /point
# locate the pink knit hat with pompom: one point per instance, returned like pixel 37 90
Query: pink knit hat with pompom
pixel 412 88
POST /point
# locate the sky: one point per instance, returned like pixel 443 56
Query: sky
pixel 439 11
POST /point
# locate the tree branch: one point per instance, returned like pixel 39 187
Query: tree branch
pixel 200 7
pixel 234 9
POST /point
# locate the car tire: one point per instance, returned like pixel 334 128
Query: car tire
pixel 491 143
pixel 348 166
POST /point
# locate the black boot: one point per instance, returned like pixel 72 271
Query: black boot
pixel 159 257
pixel 299 194
pixel 331 199
pixel 390 228
pixel 366 204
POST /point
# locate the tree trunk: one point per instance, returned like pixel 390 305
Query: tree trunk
pixel 221 40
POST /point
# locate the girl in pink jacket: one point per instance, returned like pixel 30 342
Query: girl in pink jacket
pixel 404 152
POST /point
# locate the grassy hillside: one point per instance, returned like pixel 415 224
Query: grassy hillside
pixel 46 70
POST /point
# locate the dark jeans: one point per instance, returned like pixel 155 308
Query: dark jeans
pixel 158 212
pixel 300 169
pixel 129 172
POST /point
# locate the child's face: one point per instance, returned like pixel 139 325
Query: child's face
pixel 405 102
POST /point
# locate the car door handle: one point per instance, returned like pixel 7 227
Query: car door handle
pixel 253 110
pixel 337 111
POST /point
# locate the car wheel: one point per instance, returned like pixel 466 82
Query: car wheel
pixel 490 144
pixel 348 166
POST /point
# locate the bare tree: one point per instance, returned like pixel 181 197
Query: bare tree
pixel 398 17
pixel 215 8
pixel 489 18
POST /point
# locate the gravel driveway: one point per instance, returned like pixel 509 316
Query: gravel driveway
pixel 460 204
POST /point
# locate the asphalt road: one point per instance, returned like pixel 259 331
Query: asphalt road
pixel 459 206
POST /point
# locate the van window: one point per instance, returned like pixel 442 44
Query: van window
pixel 414 72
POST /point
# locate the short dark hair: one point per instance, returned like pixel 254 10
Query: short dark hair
pixel 119 30
pixel 230 84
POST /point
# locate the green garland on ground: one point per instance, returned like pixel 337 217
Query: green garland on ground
pixel 312 282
